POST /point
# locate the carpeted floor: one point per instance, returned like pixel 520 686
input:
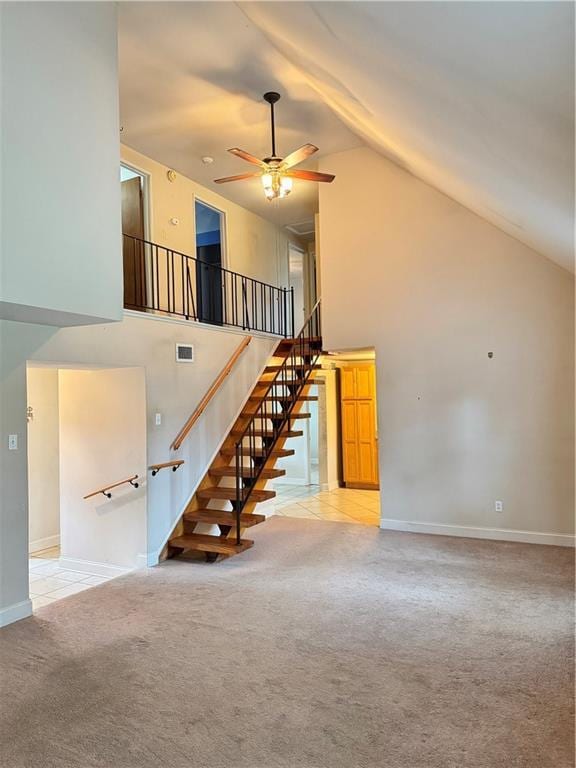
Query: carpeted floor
pixel 327 645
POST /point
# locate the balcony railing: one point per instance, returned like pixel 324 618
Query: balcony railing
pixel 159 279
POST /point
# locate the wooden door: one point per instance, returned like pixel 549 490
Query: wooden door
pixel 133 250
pixel 359 438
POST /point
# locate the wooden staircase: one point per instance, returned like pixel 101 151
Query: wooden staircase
pixel 246 461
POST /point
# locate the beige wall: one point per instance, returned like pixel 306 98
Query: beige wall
pixel 102 441
pixel 254 246
pixel 434 288
pixel 43 459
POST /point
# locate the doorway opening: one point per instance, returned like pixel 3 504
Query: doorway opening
pixel 298 282
pixel 333 474
pixel 134 187
pixel 86 430
pixel 209 229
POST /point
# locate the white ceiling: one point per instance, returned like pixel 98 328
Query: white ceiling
pixel 476 98
pixel 192 77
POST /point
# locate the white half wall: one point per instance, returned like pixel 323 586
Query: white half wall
pixel 435 289
pixel 60 242
pixel 103 441
pixel 43 459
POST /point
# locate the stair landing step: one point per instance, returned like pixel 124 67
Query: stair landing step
pixel 292 342
pixel 266 474
pixel 229 494
pixel 222 517
pixel 204 543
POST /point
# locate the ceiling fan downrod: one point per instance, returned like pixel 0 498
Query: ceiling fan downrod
pixel 272 97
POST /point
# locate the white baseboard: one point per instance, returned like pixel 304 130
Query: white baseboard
pixel 496 534
pixel 329 486
pixel 39 544
pixel 96 569
pixel 15 612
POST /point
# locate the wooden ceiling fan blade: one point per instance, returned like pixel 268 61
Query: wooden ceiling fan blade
pixel 247 156
pixel 299 155
pixel 239 177
pixel 311 175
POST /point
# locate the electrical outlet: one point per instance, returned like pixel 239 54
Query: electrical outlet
pixel 12 442
pixel 498 506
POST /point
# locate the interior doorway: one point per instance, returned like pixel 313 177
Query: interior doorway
pixel 209 228
pixel 86 429
pixel 333 474
pixel 297 278
pixel 134 190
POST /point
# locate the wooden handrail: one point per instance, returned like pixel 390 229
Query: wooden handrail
pixel 174 464
pixel 179 439
pixel 106 488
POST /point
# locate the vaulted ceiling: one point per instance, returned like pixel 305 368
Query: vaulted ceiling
pixel 476 98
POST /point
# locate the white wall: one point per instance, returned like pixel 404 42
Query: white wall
pixel 59 154
pixel 172 389
pixel 434 288
pixel 328 439
pixel 43 459
pixel 102 441
pixel 297 467
pixel 253 245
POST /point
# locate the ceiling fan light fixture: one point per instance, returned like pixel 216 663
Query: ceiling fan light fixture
pixel 276 185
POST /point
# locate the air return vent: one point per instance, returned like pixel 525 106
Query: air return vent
pixel 184 353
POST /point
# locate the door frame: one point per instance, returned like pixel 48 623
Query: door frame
pixel 223 228
pixel 146 194
pixel 147 209
pixel 291 246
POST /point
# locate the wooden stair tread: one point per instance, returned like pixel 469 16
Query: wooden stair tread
pixel 288 415
pixel 291 382
pixel 296 366
pixel 282 398
pixel 271 416
pixel 266 474
pixel 276 453
pixel 223 517
pixel 269 433
pixel 229 494
pixel 292 342
pixel 201 542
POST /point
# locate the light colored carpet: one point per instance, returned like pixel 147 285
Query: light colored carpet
pixel 327 645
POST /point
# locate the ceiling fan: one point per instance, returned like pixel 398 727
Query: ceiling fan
pixel 275 171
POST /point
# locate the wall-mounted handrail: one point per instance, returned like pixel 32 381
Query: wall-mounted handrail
pixel 179 439
pixel 107 488
pixel 160 279
pixel 164 465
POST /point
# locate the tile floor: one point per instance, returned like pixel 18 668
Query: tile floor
pixel 343 505
pixel 50 582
